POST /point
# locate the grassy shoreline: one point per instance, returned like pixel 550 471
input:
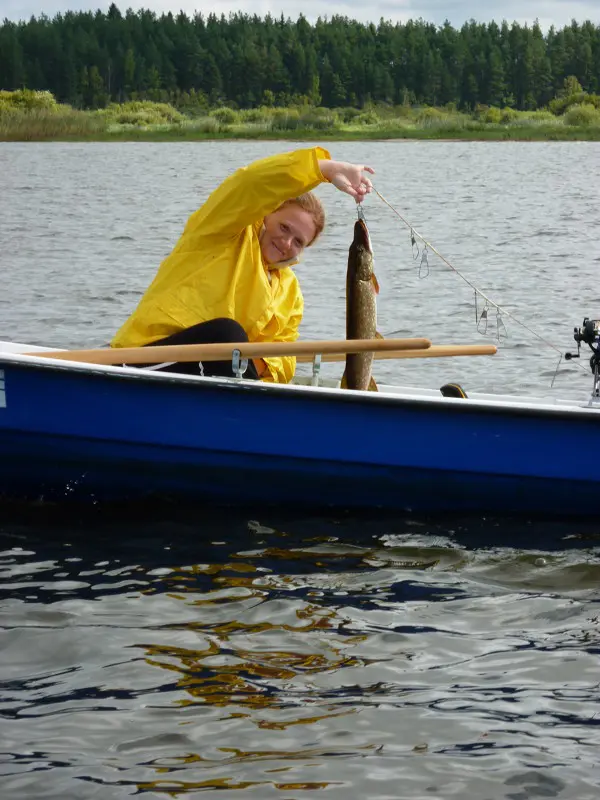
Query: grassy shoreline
pixel 27 116
pixel 505 134
pixel 533 134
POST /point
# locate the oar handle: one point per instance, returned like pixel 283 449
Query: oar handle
pixel 157 354
pixel 435 351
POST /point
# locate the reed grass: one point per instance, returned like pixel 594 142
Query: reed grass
pixel 46 125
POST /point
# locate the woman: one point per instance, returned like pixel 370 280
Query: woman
pixel 228 278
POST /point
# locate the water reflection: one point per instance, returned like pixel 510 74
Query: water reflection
pixel 175 652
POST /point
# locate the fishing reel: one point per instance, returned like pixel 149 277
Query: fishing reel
pixel 589 334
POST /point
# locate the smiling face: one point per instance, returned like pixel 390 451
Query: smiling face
pixel 287 232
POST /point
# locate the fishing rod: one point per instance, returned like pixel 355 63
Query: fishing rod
pixel 477 292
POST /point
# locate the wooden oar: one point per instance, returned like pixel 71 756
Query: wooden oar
pixel 435 351
pixel 157 354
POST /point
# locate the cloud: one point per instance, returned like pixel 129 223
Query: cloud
pixel 549 12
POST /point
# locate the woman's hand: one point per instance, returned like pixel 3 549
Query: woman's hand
pixel 347 177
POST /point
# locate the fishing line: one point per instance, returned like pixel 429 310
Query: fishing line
pixel 488 301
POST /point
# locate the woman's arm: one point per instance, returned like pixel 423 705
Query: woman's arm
pixel 254 191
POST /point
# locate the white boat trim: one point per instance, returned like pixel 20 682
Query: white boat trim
pixel 13 352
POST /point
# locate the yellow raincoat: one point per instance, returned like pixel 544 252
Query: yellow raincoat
pixel 216 268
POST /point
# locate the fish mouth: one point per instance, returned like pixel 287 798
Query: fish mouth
pixel 361 235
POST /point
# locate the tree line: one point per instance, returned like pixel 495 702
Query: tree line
pixel 89 59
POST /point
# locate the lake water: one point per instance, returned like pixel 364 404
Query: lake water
pixel 83 228
pixel 261 653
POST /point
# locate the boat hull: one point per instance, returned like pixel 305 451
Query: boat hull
pixel 69 433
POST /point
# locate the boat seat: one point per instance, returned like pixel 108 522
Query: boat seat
pixel 453 390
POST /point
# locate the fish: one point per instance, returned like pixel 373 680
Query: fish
pixel 362 289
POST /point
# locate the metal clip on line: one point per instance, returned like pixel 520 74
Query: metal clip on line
pixel 239 365
pixel 414 245
pixel 424 264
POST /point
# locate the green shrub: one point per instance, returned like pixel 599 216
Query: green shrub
pixel 225 116
pixel 492 116
pixel 455 122
pixel 367 118
pixel 428 117
pixel 28 99
pixel 285 120
pixel 202 125
pixel 582 116
pixel 560 105
pixel 348 115
pixel 254 115
pixel 402 111
pixel 479 111
pixel 526 121
pixel 434 119
pixel 508 115
pixel 539 116
pixel 141 113
pixel 140 118
pixel 163 110
pixel 319 119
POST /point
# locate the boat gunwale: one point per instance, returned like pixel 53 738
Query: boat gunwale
pixel 396 397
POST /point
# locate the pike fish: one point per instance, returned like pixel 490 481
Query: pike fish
pixel 361 308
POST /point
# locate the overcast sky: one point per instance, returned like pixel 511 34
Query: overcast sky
pixel 548 12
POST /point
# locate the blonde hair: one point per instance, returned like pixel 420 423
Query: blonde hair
pixel 310 203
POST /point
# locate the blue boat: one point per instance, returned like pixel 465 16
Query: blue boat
pixel 79 431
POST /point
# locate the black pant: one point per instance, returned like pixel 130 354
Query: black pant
pixel 212 332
